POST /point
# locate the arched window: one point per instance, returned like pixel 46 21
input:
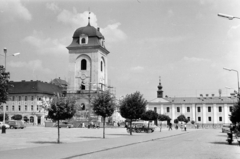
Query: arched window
pixel 101 66
pixel 83 41
pixel 83 64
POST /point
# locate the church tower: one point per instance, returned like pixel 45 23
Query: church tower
pixel 160 91
pixel 87 69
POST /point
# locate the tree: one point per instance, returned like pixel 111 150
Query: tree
pixel 61 108
pixel 4 85
pixel 149 116
pixel 17 117
pixel 163 117
pixel 132 107
pixel 175 121
pixel 182 118
pixel 104 106
pixel 6 117
pixel 235 114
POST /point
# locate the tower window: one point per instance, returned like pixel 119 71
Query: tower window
pixel 209 119
pixel 101 66
pixel 82 86
pixel 188 109
pixel 220 109
pixel 19 108
pixel 83 41
pixel 83 64
pixel 199 109
pixel 220 118
pixel 199 118
pixel 13 108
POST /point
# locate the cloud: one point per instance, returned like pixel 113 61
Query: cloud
pixel 234 32
pixel 14 8
pixel 34 65
pixel 195 59
pixel 75 19
pixel 53 7
pixel 137 69
pixel 112 33
pixel 46 44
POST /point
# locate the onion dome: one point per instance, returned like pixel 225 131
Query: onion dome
pixel 89 31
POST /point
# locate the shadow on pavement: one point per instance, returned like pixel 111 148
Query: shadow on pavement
pixel 119 134
pixel 225 143
pixel 90 137
pixel 45 142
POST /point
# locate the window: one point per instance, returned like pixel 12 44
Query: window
pixel 220 109
pixel 32 98
pixel 13 108
pixel 199 118
pixel 82 87
pixel 199 109
pixel 209 109
pixel 32 107
pixel 209 118
pixel 19 107
pixel 25 98
pixel 188 109
pixel 155 109
pixel 25 107
pixel 83 106
pixel 13 98
pixel 6 108
pixel 230 109
pixel 101 66
pixel 220 118
pixel 188 118
pixel 168 109
pixel 83 41
pixel 37 107
pixel 178 109
pixel 84 64
pixel 19 98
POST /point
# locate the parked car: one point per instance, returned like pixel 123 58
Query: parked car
pixel 226 128
pixel 64 125
pixel 141 126
pixel 16 124
pixel 6 125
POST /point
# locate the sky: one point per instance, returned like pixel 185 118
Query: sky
pixel 182 41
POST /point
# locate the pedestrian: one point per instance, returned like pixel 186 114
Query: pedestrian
pixel 118 124
pixel 185 127
pixel 170 126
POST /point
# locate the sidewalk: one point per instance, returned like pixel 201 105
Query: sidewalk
pixel 76 149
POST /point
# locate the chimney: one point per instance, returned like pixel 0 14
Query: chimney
pixel 98 29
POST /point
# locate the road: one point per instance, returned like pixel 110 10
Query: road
pixel 203 144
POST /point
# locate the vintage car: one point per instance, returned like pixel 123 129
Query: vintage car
pixel 64 125
pixel 16 124
pixel 141 126
pixel 226 128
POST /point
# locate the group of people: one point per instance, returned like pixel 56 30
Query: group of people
pixel 176 127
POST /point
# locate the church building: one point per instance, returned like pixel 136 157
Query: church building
pixel 207 111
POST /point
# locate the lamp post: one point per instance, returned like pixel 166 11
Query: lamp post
pixel 237 76
pixel 230 17
pixel 5 63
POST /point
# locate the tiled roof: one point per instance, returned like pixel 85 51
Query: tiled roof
pixel 59 82
pixel 28 87
pixel 195 100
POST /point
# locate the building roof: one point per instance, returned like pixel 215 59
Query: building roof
pixel 30 87
pixel 87 30
pixel 194 100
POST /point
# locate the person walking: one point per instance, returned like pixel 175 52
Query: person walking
pixel 185 127
pixel 170 126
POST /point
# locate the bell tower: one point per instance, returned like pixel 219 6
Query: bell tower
pixel 160 91
pixel 87 68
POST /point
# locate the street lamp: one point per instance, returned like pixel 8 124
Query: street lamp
pixel 230 17
pixel 237 76
pixel 15 54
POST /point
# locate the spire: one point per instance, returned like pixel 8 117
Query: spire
pixel 89 16
pixel 160 92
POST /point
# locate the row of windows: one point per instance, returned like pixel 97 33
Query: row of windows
pixel 210 118
pixel 20 108
pixel 84 65
pixel 199 109
pixel 19 98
